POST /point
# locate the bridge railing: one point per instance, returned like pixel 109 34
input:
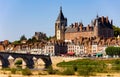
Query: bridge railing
pixel 27 51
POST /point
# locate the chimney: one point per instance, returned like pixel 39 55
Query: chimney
pixel 81 26
pixel 107 19
pixel 88 27
pixel 76 24
pixel 111 22
pixel 102 19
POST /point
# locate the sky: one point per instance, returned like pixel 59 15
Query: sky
pixel 25 17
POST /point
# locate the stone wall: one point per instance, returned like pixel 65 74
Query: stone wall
pixel 71 36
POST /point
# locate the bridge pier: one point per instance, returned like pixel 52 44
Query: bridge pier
pixel 35 62
pixel 30 63
pixel 11 62
pixel 5 63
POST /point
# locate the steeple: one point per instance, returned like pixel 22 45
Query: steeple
pixel 60 16
pixel 60 8
pixel 97 16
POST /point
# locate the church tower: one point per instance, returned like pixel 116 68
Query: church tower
pixel 60 26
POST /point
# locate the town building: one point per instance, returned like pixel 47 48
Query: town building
pixel 77 49
pixel 50 49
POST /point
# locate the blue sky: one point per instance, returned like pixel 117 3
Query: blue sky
pixel 18 17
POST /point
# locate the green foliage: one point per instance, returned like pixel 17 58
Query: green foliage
pixel 7 69
pixel 117 61
pixel 75 67
pixel 13 70
pixel 50 70
pixel 116 65
pixel 79 62
pixel 112 51
pixel 34 39
pixel 86 71
pixel 16 42
pixel 23 38
pixel 29 40
pixel 18 62
pixel 88 67
pixel 26 71
pixel 116 31
pixel 68 71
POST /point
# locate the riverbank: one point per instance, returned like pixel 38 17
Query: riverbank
pixel 41 73
pixel 98 75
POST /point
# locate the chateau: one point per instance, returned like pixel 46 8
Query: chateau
pixel 99 27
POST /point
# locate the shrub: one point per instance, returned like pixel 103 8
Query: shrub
pixel 75 67
pixel 13 70
pixel 50 70
pixel 117 61
pixel 26 71
pixel 68 71
pixel 18 62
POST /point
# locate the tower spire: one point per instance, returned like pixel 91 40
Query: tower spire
pixel 60 8
pixel 97 16
pixel 60 16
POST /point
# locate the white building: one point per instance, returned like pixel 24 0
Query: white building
pixel 50 49
pixel 94 48
pixel 76 48
pixel 79 49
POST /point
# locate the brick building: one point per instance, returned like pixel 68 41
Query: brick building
pixel 99 27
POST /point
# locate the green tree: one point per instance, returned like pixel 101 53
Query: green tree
pixel 113 51
pixel 29 40
pixel 16 42
pixel 23 38
pixel 34 39
pixel 109 51
pixel 116 31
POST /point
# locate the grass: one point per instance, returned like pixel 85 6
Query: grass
pixel 26 71
pixel 91 67
pixel 13 70
pixel 18 62
pixel 68 71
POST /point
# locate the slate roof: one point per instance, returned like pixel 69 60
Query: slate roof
pixel 70 29
pixel 60 16
pixel 104 23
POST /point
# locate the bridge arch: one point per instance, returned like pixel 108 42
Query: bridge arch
pixel 17 60
pixel 28 58
pixel 26 61
pixel 47 61
pixel 38 63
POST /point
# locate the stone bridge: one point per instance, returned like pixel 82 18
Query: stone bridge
pixel 29 59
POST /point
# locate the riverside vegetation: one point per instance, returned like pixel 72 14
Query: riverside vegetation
pixel 81 67
pixel 88 67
